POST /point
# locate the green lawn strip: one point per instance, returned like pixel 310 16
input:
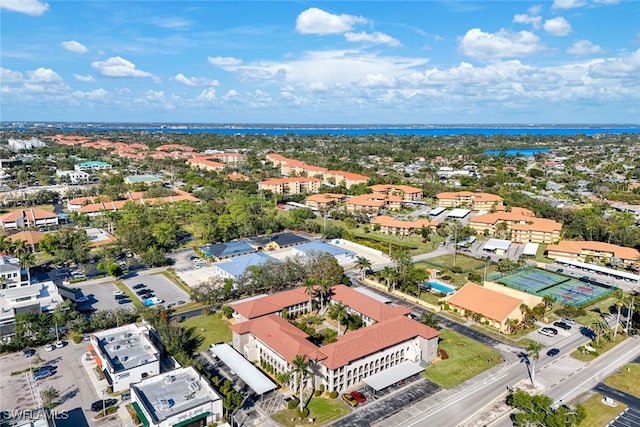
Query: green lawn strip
pixel 467 358
pixel 604 347
pixel 211 328
pixel 188 307
pixel 128 292
pixel 599 414
pixel 321 409
pixel 595 311
pixel 626 379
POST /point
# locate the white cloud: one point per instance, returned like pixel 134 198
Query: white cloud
pixel 373 38
pixel 44 75
pixel 30 7
pixel 583 47
pixel 523 18
pixel 557 26
pixel 195 81
pixel 171 23
pixel 207 95
pixel 317 21
pixel 155 96
pixel 74 46
pixel 568 4
pixel 224 61
pixel 10 76
pixel 93 95
pixel 87 78
pixel 503 44
pixel 231 94
pixel 626 67
pixel 118 67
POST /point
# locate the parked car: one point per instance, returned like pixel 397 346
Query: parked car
pixel 120 296
pixel 559 270
pixel 40 375
pixel 59 344
pixel 144 291
pixel 549 332
pixel 28 352
pixel 351 401
pixel 553 352
pixel 49 347
pixel 359 397
pixel 569 321
pixel 562 325
pixel 117 292
pixel 139 286
pixel 124 301
pixel 99 404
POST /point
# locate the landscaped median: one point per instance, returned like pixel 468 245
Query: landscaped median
pixel 466 359
pixel 587 356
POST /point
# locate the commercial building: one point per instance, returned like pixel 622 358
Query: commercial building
pixel 93 165
pixel 31 298
pixel 126 355
pixel 391 339
pixel 11 273
pixel 179 398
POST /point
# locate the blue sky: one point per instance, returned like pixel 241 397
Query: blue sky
pixel 330 62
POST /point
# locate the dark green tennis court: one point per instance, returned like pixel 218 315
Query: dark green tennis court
pixel 562 288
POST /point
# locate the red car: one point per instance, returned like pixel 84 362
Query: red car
pixel 359 397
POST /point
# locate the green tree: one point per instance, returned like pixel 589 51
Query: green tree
pixel 429 319
pixel 533 354
pixel 310 289
pixel 601 329
pixel 49 395
pixel 621 301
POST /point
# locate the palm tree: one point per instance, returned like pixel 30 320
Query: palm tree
pixel 339 312
pixel 27 260
pixel 600 328
pixel 621 301
pixel 512 324
pixel 429 319
pixel 387 274
pixel 325 292
pixel 363 264
pixel 310 289
pixel 533 353
pixel 548 301
pixel 301 367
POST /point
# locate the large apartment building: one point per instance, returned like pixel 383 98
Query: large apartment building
pixel 584 251
pixel 469 200
pixel 295 185
pixel 26 218
pixel 522 227
pixel 406 192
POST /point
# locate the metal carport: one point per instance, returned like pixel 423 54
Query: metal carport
pixel 251 375
pixel 392 375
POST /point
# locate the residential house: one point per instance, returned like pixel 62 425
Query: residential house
pixel 75 176
pixel 11 273
pixel 93 165
pixel 30 237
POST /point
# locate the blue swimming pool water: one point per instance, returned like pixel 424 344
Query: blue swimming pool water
pixel 442 287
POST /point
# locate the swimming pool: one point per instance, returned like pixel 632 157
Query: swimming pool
pixel 441 287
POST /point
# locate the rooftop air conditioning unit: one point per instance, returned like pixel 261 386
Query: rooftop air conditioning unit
pixel 168 379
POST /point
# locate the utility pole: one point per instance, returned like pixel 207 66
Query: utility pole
pixel 630 314
pixel 455 243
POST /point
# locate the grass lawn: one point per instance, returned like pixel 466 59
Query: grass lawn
pixel 322 409
pixel 595 311
pixel 518 339
pixel 599 414
pixel 626 380
pixel 462 261
pixel 210 328
pixel 604 347
pixel 467 358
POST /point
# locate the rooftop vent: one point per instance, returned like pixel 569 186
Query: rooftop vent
pixel 193 386
pixel 168 379
pixel 115 347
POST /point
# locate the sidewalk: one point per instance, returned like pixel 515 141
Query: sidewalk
pixel 101 387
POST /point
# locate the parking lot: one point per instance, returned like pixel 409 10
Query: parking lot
pixel 100 297
pixel 74 387
pixel 550 341
pixel 162 288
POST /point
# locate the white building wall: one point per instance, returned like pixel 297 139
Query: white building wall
pixel 123 380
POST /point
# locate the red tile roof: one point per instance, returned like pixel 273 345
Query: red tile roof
pixel 281 336
pixel 32 214
pixel 365 341
pixel 271 303
pixel 369 307
pixel 490 304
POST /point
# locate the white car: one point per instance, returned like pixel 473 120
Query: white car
pixel 117 292
pixel 49 347
pixel 59 344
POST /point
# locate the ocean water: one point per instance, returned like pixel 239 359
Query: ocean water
pixel 364 130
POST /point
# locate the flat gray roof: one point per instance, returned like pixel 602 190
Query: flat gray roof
pixel 530 249
pixel 372 294
pixel 493 244
pixel 175 392
pixel 391 376
pixel 252 376
pixel 458 213
pixel 126 347
pixel 605 270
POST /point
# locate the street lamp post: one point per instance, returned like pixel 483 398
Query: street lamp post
pixel 104 409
